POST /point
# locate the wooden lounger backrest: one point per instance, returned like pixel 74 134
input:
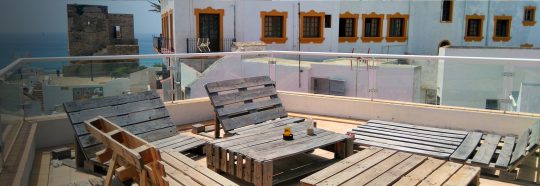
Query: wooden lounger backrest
pixel 527 142
pixel 247 101
pixel 142 114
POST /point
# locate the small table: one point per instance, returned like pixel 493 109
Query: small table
pixel 250 155
pixel 378 166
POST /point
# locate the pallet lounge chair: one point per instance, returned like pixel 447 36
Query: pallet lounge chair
pixel 474 148
pixel 133 158
pixel 242 105
pixel 142 114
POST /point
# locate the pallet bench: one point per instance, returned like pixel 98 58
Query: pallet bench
pixel 491 152
pixel 251 156
pixel 379 166
pixel 142 114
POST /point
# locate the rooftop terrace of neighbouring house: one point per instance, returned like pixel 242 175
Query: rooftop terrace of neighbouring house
pixel 29 157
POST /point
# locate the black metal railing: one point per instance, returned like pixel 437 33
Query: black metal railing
pixel 214 45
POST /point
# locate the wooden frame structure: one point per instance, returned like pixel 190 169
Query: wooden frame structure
pixel 142 161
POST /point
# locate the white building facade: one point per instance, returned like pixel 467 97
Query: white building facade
pixel 399 27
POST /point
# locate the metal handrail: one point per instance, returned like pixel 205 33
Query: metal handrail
pixel 484 60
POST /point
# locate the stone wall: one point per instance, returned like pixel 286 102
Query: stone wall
pixel 87 29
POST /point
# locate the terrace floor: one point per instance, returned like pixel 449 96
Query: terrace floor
pixel 46 173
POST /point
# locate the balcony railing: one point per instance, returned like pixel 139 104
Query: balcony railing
pixel 39 86
pixel 163 45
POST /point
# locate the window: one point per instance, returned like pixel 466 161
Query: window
pixel 327 21
pixel 209 24
pixel 397 27
pixel 372 29
pixel 492 104
pixel 311 27
pixel 447 10
pixel 474 28
pixel 529 16
pixel 502 28
pixel 117 34
pixel 273 27
pixel 348 27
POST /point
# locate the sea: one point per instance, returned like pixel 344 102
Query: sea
pixel 17 45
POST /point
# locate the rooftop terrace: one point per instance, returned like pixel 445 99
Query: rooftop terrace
pixel 29 138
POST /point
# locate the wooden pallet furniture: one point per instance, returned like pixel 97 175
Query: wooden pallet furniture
pixel 493 152
pixel 379 166
pixel 239 103
pixel 142 114
pixel 251 156
pixel 183 170
pixel 142 162
pixel 430 141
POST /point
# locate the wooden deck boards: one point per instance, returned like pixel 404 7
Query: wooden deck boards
pixel 376 166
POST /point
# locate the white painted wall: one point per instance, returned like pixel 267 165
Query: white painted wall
pixel 425 30
pixel 468 83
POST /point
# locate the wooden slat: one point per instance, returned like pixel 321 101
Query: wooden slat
pixel 179 176
pixel 506 152
pixel 534 138
pixel 403 139
pixel 464 176
pixel 252 118
pixel 443 173
pixel 247 107
pixel 460 132
pixel 406 144
pixel 190 146
pixel 408 133
pixel 401 148
pixel 375 171
pixel 175 164
pixel 238 83
pixel 466 148
pixel 267 125
pixel 129 119
pixel 164 140
pixel 358 168
pixel 237 97
pixel 201 169
pixel 416 130
pixel 108 101
pixel 486 150
pixel 418 174
pixel 181 138
pixel 339 166
pixel 80 116
pixel 304 170
pixel 295 149
pixel 521 145
pixel 360 130
pixel 396 172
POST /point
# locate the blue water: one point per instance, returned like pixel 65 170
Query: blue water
pixel 13 46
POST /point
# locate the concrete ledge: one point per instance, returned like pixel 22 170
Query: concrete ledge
pixel 421 114
pixel 24 170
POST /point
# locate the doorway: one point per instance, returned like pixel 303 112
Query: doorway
pixel 209 27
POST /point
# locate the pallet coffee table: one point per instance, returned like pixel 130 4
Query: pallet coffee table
pixel 251 156
pixel 378 166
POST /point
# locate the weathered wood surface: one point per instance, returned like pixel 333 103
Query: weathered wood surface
pixel 194 174
pixel 376 166
pixel 467 147
pixel 250 155
pixel 485 152
pixel 243 102
pixel 435 142
pixel 142 114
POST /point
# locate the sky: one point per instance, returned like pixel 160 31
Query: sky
pixel 44 16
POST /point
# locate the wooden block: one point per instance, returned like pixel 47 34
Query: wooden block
pixel 349 146
pixel 248 170
pixel 230 164
pixel 197 128
pixel 209 156
pixel 124 173
pixel 216 157
pixel 223 160
pixel 267 173
pixel 240 166
pixel 257 173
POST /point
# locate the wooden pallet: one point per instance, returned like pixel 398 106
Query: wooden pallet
pixel 242 102
pixel 185 171
pixel 493 152
pixel 250 156
pixel 142 114
pixel 378 166
pixel 430 141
